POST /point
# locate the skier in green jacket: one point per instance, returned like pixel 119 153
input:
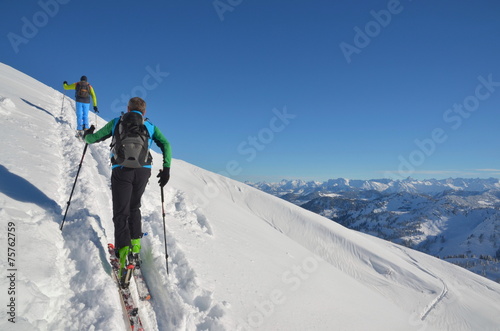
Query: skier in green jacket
pixel 128 182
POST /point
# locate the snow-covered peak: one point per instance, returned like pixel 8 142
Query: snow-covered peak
pixel 428 186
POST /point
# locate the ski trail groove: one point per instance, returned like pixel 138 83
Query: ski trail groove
pixel 435 302
pixel 441 295
pixel 85 228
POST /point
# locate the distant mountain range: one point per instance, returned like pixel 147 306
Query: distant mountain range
pixel 455 219
pixel 428 186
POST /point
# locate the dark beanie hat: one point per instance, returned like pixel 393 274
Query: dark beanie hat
pixel 83 79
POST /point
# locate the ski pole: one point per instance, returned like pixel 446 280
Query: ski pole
pixel 62 106
pixel 74 184
pixel 164 228
pixel 95 120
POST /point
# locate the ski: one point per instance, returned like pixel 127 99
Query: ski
pixel 79 135
pixel 129 307
pixel 140 282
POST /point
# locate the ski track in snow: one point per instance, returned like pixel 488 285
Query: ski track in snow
pixel 83 231
pixel 441 295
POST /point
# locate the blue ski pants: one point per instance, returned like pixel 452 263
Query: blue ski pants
pixel 82 115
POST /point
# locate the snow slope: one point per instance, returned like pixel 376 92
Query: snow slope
pixel 240 259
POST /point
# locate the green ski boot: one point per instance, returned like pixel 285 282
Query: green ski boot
pixel 136 248
pixel 125 268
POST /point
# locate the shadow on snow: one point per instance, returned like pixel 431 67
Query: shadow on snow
pixel 20 189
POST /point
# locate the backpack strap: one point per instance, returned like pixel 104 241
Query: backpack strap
pixel 151 131
pixel 113 129
pixel 116 121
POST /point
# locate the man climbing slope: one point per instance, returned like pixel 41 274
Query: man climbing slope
pixel 131 169
pixel 83 92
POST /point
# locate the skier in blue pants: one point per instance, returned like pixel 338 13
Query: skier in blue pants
pixel 83 92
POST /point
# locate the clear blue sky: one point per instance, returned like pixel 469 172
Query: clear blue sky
pixel 265 90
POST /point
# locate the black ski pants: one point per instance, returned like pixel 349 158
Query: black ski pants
pixel 127 187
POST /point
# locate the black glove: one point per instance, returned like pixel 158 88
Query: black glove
pixel 65 83
pixel 95 109
pixel 88 131
pixel 164 176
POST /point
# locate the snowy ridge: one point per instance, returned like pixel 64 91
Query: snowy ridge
pixel 240 259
